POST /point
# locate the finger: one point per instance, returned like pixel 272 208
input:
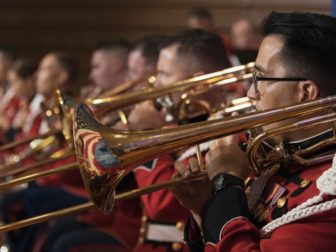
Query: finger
pixel 181 169
pixel 213 145
pixel 194 166
pixel 208 157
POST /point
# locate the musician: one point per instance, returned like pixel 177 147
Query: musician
pixel 56 69
pixel 108 68
pixel 290 207
pixel 21 79
pixel 182 56
pixel 119 230
pixel 7 59
pixel 244 35
pixel 8 101
pixel 142 58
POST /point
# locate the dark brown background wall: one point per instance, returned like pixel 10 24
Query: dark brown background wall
pixel 34 27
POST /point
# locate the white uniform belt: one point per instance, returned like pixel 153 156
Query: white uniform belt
pixel 163 233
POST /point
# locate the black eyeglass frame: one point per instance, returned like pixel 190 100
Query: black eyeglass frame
pixel 256 78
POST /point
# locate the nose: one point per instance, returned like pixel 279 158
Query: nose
pixel 157 82
pixel 251 93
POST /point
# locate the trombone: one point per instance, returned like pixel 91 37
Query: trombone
pixel 47 142
pixel 206 81
pixel 200 84
pixel 129 149
pixel 117 101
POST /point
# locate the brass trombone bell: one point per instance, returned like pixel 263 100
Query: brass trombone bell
pixel 107 155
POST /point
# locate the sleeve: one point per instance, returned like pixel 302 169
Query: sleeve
pixel 193 236
pixel 162 204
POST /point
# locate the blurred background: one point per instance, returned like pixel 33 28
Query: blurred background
pixel 33 27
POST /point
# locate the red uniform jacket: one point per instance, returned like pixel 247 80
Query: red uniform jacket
pixel 229 226
pixel 160 206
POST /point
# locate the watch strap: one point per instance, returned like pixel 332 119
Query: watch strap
pixel 224 180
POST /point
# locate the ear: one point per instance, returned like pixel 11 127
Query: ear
pixel 307 90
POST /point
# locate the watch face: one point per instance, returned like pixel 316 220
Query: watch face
pixel 223 180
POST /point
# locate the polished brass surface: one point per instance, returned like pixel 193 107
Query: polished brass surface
pixel 207 80
pixel 37 165
pixel 35 147
pixel 126 86
pixel 101 109
pixel 32 177
pixel 89 205
pixel 46 217
pixel 254 145
pixel 28 140
pixel 127 150
pixel 47 142
pixel 191 97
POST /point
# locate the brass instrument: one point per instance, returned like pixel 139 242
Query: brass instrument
pixel 278 152
pixel 126 86
pixel 199 84
pixel 127 150
pixel 120 89
pixel 206 80
pixel 130 149
pixel 191 97
pixel 48 142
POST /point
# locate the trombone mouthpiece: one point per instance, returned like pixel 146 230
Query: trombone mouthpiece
pixel 96 160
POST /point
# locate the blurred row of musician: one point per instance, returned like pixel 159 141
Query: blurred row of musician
pixel 73 166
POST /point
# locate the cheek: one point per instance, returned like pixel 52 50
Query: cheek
pixel 268 97
pixel 274 96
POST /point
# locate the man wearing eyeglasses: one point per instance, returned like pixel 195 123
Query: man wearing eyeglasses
pixel 290 206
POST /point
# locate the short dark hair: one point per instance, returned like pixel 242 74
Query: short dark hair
pixel 68 62
pixel 149 47
pixel 24 68
pixel 111 45
pixel 309 45
pixel 8 53
pixel 200 13
pixel 206 49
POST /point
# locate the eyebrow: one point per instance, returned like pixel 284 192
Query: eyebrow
pixel 260 68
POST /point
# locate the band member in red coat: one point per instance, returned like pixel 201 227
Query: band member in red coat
pixel 185 55
pixel 290 207
pixel 54 192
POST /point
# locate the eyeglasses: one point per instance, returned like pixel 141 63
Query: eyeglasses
pixel 258 78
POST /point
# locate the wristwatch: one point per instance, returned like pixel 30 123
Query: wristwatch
pixel 224 180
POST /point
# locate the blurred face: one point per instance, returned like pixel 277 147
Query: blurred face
pixel 170 69
pixel 104 67
pixel 137 66
pixel 24 88
pixel 243 36
pixel 48 75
